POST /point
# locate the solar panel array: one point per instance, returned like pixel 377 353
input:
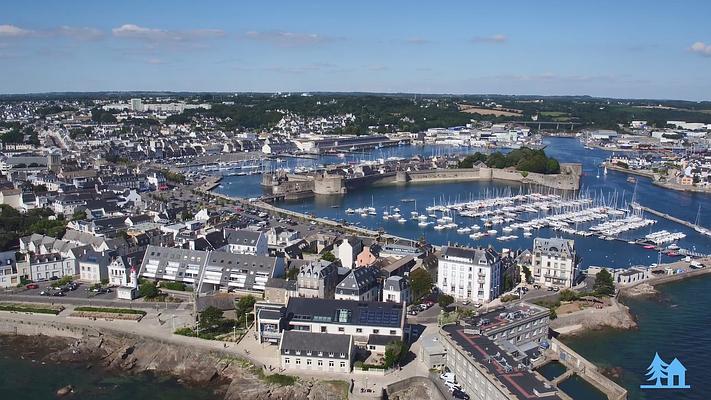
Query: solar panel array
pixel 379 317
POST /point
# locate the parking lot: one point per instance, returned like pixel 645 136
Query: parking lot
pixel 81 291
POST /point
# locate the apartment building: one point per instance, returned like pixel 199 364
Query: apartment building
pixel 340 317
pixel 210 271
pixel 361 284
pixel 554 262
pixel 469 273
pixel 490 354
pixel 317 279
pixel 323 352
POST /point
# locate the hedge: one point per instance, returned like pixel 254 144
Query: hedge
pixel 30 309
pixel 110 310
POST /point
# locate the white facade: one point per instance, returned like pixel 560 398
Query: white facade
pixel 369 295
pixel 468 274
pixel 554 262
pixel 48 268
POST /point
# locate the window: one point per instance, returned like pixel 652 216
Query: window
pixel 319 363
pixel 330 363
pixel 308 361
pixel 376 331
pixel 343 364
pixel 392 331
pixel 341 329
pixel 323 329
pixel 298 361
pixel 286 360
pixel 359 330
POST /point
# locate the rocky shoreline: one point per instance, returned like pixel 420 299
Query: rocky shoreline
pixel 616 316
pixel 233 378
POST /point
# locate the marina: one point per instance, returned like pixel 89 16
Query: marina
pixel 601 200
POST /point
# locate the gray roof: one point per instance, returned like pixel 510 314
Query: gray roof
pixel 473 255
pixel 358 281
pixel 345 312
pixel 555 246
pixel 396 283
pixel 316 342
pixel 242 237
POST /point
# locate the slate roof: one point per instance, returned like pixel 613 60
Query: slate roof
pixel 327 343
pixel 345 312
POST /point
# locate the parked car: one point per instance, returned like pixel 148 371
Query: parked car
pixel 32 286
pixel 45 293
pixel 58 293
pixel 447 377
pixel 458 394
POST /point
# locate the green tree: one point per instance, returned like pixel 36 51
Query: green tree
pixel 445 300
pixel 148 289
pixel 244 304
pixel 420 282
pixel 604 284
pixel 292 273
pixel 328 256
pixel 393 352
pixel 210 318
pixel 568 295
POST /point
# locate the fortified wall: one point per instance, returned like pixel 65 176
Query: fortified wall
pixel 330 184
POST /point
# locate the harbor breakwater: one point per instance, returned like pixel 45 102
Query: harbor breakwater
pixel 297 185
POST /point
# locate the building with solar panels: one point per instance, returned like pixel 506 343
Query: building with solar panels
pixel 361 320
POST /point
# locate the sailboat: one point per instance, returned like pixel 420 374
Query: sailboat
pixel 604 171
pixel 598 174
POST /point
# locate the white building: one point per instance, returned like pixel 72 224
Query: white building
pixel 348 250
pixel 397 289
pixel 554 262
pixel 469 274
pixel 322 352
pixel 242 241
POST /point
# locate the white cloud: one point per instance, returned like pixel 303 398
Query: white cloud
pixel 12 31
pixel 131 31
pixel 701 48
pixel 79 33
pixel 494 39
pixel 287 39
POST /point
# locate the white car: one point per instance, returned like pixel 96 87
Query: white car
pixel 447 377
pixel 452 386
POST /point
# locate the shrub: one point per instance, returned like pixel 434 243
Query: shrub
pixel 280 379
pixel 185 332
pixel 568 295
pixel 112 310
pixel 180 286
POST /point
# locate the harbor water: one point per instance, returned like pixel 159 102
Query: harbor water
pixel 610 187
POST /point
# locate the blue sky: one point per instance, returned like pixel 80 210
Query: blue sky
pixel 601 48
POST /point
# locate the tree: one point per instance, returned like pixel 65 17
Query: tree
pixel 527 274
pixel 148 290
pixel 657 370
pixel 445 300
pixel 79 214
pixel 604 284
pixel 210 317
pixel 420 282
pixel 328 256
pixel 292 273
pixel 393 352
pixel 245 304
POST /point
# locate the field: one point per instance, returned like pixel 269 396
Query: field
pixel 504 112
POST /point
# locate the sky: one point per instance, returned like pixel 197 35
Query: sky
pixel 623 49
